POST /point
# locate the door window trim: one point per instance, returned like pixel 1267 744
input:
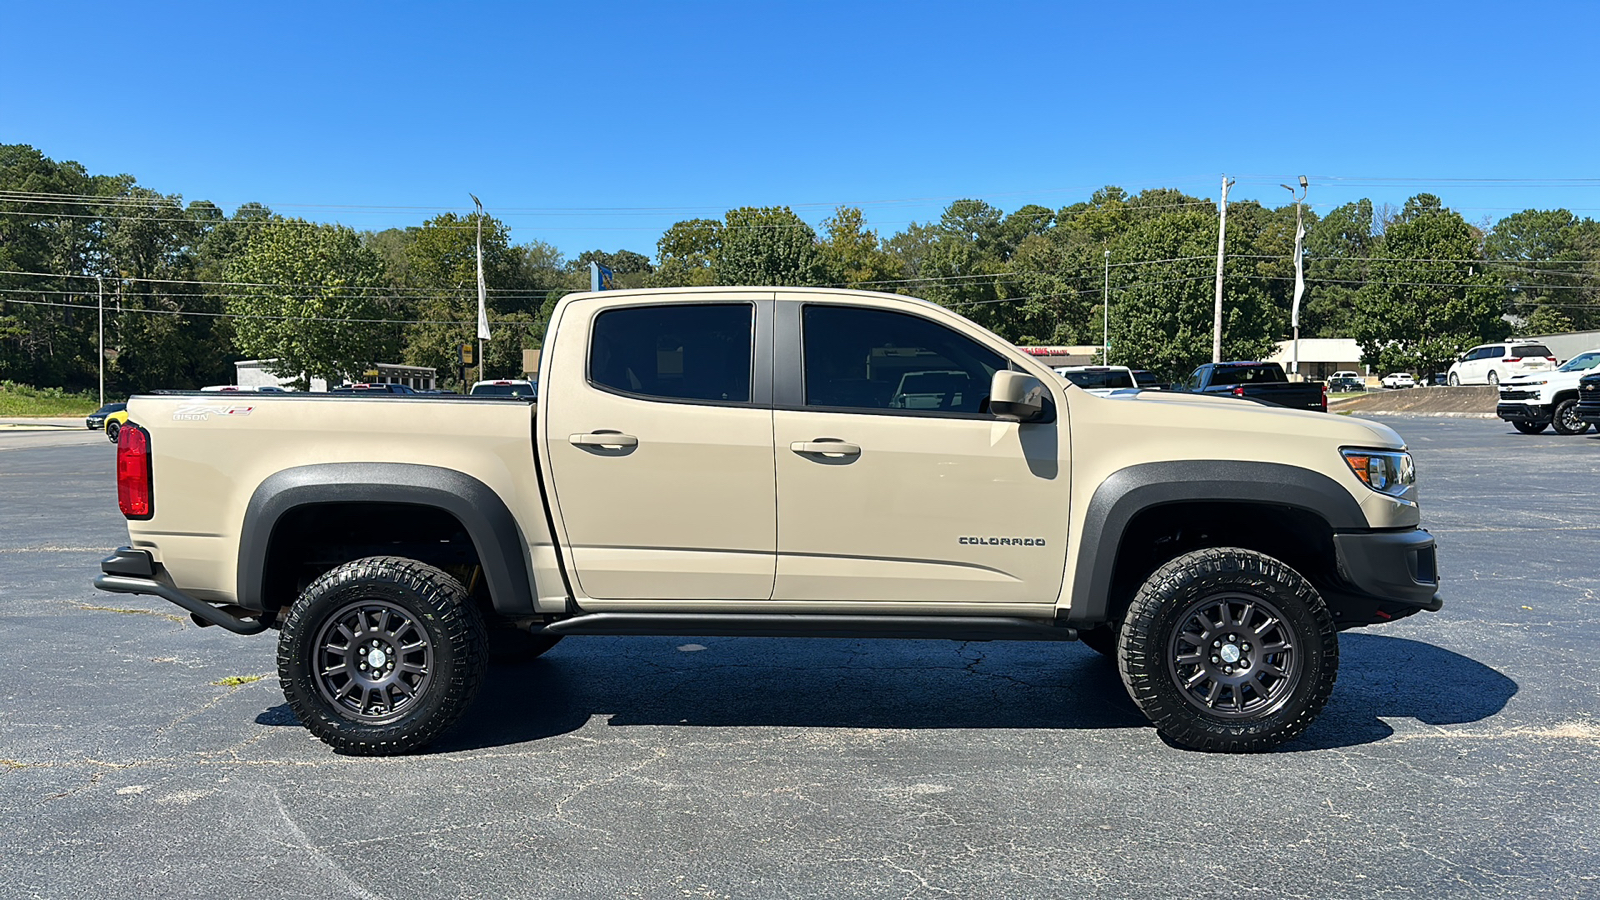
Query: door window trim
pixel 760 355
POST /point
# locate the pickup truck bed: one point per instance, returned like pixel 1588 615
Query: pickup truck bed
pixel 1261 382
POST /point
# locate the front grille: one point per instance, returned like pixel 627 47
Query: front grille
pixel 1515 394
pixel 1589 398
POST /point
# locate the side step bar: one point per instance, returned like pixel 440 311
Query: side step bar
pixel 129 571
pixel 953 628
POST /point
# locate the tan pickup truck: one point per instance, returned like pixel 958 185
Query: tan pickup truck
pixel 776 462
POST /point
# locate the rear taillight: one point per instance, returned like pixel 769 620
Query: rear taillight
pixel 135 492
pixel 1512 359
pixel 1324 397
pixel 1238 392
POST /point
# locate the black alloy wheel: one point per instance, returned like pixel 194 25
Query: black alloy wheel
pixel 1228 650
pixel 380 655
pixel 111 430
pixel 1566 418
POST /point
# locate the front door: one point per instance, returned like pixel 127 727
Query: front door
pixel 658 432
pixel 894 483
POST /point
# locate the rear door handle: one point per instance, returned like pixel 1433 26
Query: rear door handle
pixel 607 439
pixel 826 448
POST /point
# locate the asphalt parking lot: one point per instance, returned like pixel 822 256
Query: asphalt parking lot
pixel 141 756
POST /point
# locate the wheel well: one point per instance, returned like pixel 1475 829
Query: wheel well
pixel 1161 533
pixel 1564 395
pixel 312 539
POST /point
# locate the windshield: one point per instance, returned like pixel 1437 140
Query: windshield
pixel 1090 380
pixel 1582 362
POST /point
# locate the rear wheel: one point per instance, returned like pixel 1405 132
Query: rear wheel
pixel 1565 418
pixel 1529 427
pixel 1455 380
pixel 1228 650
pixel 380 655
pixel 1493 378
pixel 111 430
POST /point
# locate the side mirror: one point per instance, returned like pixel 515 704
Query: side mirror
pixel 1016 397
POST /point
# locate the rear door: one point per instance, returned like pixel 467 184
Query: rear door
pixel 657 424
pixel 894 483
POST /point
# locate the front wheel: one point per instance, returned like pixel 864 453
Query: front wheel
pixel 111 430
pixel 1530 427
pixel 1565 418
pixel 1228 650
pixel 380 655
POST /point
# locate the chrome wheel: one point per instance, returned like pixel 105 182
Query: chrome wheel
pixel 1234 656
pixel 373 661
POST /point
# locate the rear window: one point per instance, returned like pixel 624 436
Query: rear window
pixel 1100 379
pixel 1247 375
pixel 679 352
pixel 503 390
pixel 1525 350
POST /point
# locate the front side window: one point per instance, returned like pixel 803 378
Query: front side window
pixel 677 352
pixel 871 359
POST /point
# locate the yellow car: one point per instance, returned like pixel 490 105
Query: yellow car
pixel 114 423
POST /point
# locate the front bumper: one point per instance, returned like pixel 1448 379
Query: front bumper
pixel 1395 573
pixel 130 571
pixel 1523 412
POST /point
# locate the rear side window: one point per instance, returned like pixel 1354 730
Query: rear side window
pixel 1225 375
pixel 1088 380
pixel 1526 350
pixel 859 358
pixel 678 352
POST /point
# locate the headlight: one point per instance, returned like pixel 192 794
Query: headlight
pixel 1385 471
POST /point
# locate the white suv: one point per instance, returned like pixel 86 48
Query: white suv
pixel 1497 362
pixel 1530 402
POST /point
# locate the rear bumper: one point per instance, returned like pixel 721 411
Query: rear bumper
pixel 1523 412
pixel 130 571
pixel 1393 567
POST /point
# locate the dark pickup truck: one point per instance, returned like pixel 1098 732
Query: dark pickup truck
pixel 1263 382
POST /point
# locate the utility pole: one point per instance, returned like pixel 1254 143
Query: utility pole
pixel 1105 305
pixel 1299 270
pixel 100 288
pixel 483 314
pixel 1222 247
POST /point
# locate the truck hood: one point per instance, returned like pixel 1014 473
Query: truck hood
pixel 1243 416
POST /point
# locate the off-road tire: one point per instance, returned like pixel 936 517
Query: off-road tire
pixel 509 645
pixel 1529 427
pixel 1565 417
pixel 402 605
pixel 1163 618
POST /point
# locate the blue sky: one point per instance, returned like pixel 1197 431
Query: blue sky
pixel 598 125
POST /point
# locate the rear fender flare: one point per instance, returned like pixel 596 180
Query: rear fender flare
pixel 493 529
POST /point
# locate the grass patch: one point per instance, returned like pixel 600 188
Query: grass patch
pixel 22 400
pixel 236 680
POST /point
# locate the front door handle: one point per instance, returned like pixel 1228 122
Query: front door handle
pixel 610 440
pixel 826 448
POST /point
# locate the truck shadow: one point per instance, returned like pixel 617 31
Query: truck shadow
pixel 800 683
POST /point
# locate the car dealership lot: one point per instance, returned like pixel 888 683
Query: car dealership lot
pixel 1458 755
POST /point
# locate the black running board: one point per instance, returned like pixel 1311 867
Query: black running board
pixel 953 628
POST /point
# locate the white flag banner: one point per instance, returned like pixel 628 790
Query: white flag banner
pixel 1299 276
pixel 483 312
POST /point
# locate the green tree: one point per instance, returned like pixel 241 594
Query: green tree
pixel 1336 251
pixel 686 254
pixel 304 296
pixel 1546 259
pixel 1426 298
pixel 852 254
pixel 442 292
pixel 767 245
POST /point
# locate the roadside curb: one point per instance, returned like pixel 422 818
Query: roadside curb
pixel 1403 413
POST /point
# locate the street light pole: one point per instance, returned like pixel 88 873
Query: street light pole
pixel 100 289
pixel 1299 269
pixel 1105 306
pixel 1222 246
